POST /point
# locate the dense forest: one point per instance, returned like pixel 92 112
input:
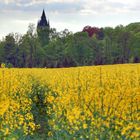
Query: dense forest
pixel 91 46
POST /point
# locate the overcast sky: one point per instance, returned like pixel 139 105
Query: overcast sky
pixel 15 15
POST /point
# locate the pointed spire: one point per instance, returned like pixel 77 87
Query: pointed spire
pixel 43 15
pixel 43 22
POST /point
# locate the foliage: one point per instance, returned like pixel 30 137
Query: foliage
pixel 45 47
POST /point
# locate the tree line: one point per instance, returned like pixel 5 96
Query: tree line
pixel 92 46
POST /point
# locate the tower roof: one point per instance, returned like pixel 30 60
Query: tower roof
pixel 43 22
pixel 43 15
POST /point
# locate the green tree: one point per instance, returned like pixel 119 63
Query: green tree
pixel 135 48
pixel 79 49
pixel 2 52
pixel 10 50
pixel 55 53
pixel 32 55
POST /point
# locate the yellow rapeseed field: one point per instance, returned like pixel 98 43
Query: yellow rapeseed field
pixel 87 103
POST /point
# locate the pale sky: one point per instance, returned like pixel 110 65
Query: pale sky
pixel 15 15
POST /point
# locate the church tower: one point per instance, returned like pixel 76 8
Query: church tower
pixel 43 30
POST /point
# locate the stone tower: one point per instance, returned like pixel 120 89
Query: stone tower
pixel 43 30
